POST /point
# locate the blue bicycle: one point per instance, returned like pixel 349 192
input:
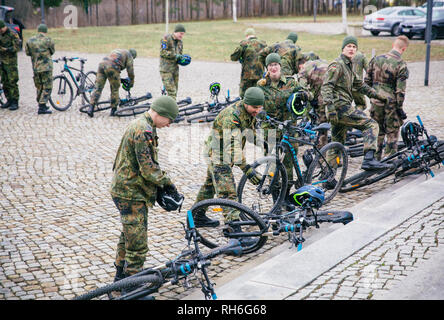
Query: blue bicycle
pixel 62 94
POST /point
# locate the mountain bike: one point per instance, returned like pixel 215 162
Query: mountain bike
pixel 62 94
pixel 133 110
pixel 128 101
pixel 325 167
pixel 213 110
pixel 418 152
pixel 188 264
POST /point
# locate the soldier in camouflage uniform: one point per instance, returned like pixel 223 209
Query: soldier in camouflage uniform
pixel 171 50
pixel 110 69
pixel 311 75
pixel 40 48
pixel 277 89
pixel 360 64
pixel 247 54
pixel 224 148
pixel 9 46
pixel 137 176
pixel 336 92
pixel 289 52
pixel 388 75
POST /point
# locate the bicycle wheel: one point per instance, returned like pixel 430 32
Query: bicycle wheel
pixel 88 85
pixel 102 105
pixel 250 231
pixel 328 169
pixel 132 111
pixel 266 197
pixel 62 94
pixel 188 111
pixel 147 280
pixel 365 178
pixel 203 118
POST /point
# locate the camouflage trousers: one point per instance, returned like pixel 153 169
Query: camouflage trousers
pixel 220 183
pixel 170 81
pixel 133 241
pixel 359 99
pixel 245 84
pixel 353 118
pixel 389 124
pixel 112 73
pixel 9 78
pixel 43 84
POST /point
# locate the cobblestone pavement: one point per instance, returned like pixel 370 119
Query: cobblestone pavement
pixel 383 263
pixel 59 227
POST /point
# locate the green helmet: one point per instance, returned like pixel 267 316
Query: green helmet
pixel 42 28
pixel 166 107
pixel 133 52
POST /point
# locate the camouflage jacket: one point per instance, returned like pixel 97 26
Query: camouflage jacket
pixel 289 52
pixel 312 77
pixel 232 127
pixel 248 53
pixel 169 48
pixel 9 46
pixel 338 83
pixel 122 59
pixel 388 75
pixel 40 48
pixel 137 173
pixel 360 63
pixel 276 95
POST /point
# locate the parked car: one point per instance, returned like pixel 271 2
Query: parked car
pixel 390 18
pixel 6 14
pixel 417 27
pixel 437 4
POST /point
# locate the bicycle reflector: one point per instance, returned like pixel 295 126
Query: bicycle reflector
pixel 295 104
pixel 214 88
pixel 314 195
pixel 185 60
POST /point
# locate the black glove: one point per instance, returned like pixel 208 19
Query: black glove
pixel 253 176
pixel 401 113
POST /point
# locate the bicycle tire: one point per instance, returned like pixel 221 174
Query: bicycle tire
pixel 62 94
pixel 319 171
pixel 188 111
pixel 203 118
pixel 213 237
pixel 133 110
pixel 88 85
pixel 258 200
pixel 102 105
pixel 364 178
pixel 119 285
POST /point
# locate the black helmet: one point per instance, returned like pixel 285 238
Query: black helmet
pixel 125 83
pixel 314 195
pixel 169 199
pixel 410 132
pixel 214 88
pixel 185 60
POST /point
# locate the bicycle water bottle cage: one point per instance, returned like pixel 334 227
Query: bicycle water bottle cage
pixel 215 88
pixel 410 131
pixel 310 194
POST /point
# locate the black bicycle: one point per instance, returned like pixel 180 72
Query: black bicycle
pixel 325 167
pixel 133 110
pixel 62 94
pixel 189 264
pixel 418 152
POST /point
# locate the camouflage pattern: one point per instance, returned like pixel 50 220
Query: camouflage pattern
pixel 9 46
pixel 41 48
pixel 312 77
pixel 276 95
pixel 224 149
pixel 109 69
pixel 132 246
pixel 388 75
pixel 137 173
pixel 289 52
pixel 307 56
pixel 336 92
pixel 168 67
pixel 252 69
pixel 360 64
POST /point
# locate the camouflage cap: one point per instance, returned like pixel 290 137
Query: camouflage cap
pixel 348 40
pixel 254 97
pixel 293 36
pixel 272 57
pixel 42 28
pixel 179 28
pixel 2 24
pixel 250 32
pixel 133 52
pixel 166 107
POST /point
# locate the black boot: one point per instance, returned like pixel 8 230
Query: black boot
pixel 13 105
pixel 6 105
pixel 244 241
pixel 43 109
pixel 90 111
pixel 370 163
pixel 113 112
pixel 120 274
pixel 201 220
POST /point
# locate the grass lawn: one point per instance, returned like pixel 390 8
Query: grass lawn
pixel 216 40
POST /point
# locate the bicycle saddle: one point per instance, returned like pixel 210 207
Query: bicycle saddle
pixel 322 126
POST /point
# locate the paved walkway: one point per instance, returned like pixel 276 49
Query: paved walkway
pixel 58 225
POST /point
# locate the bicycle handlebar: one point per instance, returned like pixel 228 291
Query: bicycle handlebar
pixel 286 125
pixel 66 59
